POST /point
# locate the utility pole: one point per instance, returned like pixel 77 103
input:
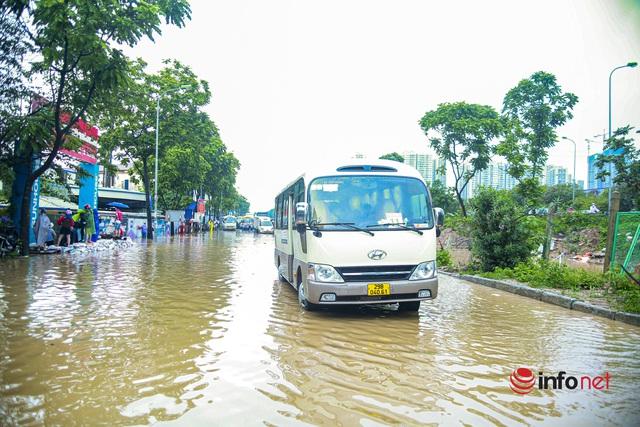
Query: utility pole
pixel 613 214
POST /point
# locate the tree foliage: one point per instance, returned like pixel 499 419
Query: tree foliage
pixel 500 237
pixel 185 131
pixel 532 111
pixel 396 157
pixel 443 197
pixel 78 61
pixel 461 134
pixel 625 159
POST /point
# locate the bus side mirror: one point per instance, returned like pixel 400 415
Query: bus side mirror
pixel 301 216
pixel 438 214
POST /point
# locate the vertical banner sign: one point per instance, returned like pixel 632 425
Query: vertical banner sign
pixel 89 191
pixel 34 204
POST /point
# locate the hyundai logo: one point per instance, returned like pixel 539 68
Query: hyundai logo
pixel 377 254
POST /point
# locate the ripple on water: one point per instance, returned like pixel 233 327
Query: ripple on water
pixel 196 331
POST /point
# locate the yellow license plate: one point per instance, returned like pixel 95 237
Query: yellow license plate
pixel 376 289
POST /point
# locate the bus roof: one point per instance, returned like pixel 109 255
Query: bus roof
pixel 358 167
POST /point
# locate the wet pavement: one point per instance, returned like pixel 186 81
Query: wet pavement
pixel 199 332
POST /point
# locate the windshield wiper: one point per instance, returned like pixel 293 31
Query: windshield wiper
pixel 346 224
pixel 405 227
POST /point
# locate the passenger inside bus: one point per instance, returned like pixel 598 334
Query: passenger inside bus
pixel 369 202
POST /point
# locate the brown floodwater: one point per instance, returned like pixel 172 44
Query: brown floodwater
pixel 197 331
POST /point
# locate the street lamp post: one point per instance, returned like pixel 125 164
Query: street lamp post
pixel 573 186
pixel 627 65
pixel 155 180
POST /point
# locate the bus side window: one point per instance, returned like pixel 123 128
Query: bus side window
pixel 279 213
pixel 285 212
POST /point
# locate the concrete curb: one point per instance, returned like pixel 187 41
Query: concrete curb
pixel 550 298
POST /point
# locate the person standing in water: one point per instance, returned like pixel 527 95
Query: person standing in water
pixel 66 225
pixel 41 229
pixel 90 227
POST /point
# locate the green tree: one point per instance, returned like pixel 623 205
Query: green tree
pixel 183 171
pixel 221 179
pixel 532 111
pixel 461 134
pixel 443 197
pixel 242 205
pixel 393 156
pixel 129 121
pixel 77 61
pixel 561 195
pixel 624 158
pixel 500 235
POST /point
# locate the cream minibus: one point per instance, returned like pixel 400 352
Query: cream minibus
pixel 361 232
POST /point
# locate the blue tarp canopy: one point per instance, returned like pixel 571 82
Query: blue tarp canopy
pixel 189 210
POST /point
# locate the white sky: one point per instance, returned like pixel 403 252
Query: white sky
pixel 295 81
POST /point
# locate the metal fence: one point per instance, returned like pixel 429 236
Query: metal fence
pixel 626 243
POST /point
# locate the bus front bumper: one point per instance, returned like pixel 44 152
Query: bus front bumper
pixel 357 292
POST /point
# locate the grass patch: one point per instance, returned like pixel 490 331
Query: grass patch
pixel 443 258
pixel 620 292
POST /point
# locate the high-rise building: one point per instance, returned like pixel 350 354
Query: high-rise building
pixel 430 167
pixel 556 175
pixel 496 176
pixel 600 184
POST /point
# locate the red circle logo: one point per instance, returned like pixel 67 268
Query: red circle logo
pixel 522 380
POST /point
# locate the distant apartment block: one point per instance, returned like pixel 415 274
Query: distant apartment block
pixel 496 176
pixel 593 183
pixel 557 175
pixel 430 167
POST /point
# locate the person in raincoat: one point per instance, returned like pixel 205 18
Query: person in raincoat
pixel 51 236
pixel 66 227
pixel 80 219
pixel 41 229
pixel 90 227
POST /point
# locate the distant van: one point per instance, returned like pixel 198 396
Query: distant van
pixel 229 223
pixel 359 232
pixel 264 226
pixel 257 220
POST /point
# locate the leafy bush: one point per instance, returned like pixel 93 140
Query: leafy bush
pixel 543 274
pixel 443 197
pixel 621 292
pixel 458 223
pixel 500 235
pixel 569 223
pixel 443 258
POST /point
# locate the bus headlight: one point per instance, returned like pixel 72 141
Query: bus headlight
pixel 323 273
pixel 425 270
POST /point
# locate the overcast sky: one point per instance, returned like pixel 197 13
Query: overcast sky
pixel 295 81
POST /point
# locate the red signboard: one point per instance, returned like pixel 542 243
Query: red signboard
pixel 88 151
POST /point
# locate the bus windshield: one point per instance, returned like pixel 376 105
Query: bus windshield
pixel 374 202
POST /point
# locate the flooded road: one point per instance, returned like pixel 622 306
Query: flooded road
pixel 199 332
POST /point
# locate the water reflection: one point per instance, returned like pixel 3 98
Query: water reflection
pixel 195 331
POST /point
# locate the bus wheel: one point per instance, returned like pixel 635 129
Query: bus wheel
pixel 303 300
pixel 409 306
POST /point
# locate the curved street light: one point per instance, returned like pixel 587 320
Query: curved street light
pixel 627 65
